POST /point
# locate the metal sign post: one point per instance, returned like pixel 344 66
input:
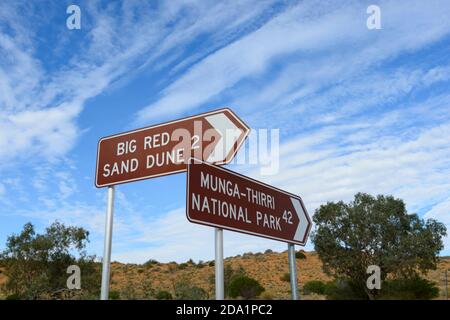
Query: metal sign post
pixel 293 271
pixel 446 284
pixel 163 149
pixel 106 270
pixel 220 294
pixel 224 199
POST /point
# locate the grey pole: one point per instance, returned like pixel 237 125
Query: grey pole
pixel 219 264
pixel 446 284
pixel 107 250
pixel 293 271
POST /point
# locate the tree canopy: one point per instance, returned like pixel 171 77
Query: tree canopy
pixel 36 264
pixel 369 230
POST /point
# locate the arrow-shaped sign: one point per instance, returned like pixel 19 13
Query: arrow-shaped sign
pixel 221 198
pixel 166 148
pixel 229 134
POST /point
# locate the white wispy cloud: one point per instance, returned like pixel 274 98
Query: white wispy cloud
pixel 330 40
pixel 39 107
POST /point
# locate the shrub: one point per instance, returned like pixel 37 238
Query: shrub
pixel 13 296
pixel 285 277
pixel 398 289
pixel 300 255
pixel 211 263
pixel 114 295
pixel 268 251
pixel 230 274
pixel 245 287
pixel 314 286
pixel 409 289
pixel 151 263
pixel 163 295
pixel 344 289
pixel 140 270
pixel 186 291
pixel 182 266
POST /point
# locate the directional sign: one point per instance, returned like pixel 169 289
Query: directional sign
pixel 224 199
pixel 165 148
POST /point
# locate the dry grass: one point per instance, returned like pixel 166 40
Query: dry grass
pixel 267 268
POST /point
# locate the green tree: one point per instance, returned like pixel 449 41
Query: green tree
pixel 229 274
pixel 245 287
pixel 36 264
pixel 114 295
pixel 285 277
pixel 314 286
pixel 375 231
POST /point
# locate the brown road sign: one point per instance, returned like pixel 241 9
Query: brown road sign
pixel 221 198
pixel 165 148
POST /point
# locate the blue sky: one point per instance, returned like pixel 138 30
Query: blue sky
pixel 357 109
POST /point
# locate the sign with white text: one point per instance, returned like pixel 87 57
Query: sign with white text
pixel 224 199
pixel 164 149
